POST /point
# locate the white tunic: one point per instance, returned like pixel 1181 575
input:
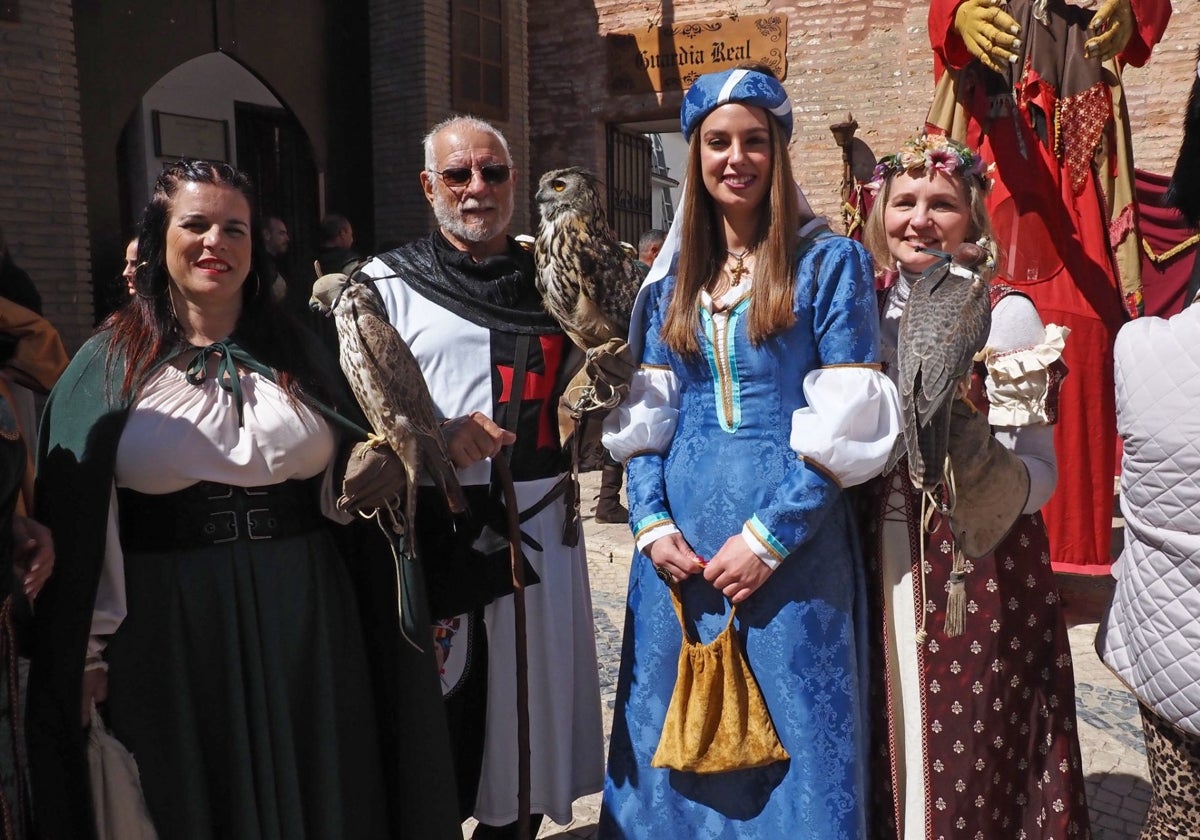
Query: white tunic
pixel 566 735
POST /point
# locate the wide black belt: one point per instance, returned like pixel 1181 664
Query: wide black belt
pixel 208 513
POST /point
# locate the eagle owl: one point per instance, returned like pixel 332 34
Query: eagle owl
pixel 388 384
pixel 587 281
pixel 945 323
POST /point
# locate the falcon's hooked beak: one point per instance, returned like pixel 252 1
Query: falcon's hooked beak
pixel 327 291
pixel 941 255
pixel 964 262
pixel 967 254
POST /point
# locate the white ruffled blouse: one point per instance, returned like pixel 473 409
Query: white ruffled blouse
pixel 178 434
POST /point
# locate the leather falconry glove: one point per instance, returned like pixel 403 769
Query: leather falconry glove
pixel 375 477
pixel 1114 22
pixel 609 367
pixel 988 32
pixel 991 484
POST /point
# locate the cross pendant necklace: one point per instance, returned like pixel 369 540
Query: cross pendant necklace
pixel 739 270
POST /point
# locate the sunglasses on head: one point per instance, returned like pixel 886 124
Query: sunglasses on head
pixel 460 176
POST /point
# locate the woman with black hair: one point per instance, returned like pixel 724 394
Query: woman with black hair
pixel 188 459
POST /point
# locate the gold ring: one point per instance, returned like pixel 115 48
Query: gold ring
pixel 664 575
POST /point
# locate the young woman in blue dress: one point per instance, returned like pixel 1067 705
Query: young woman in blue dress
pixel 757 401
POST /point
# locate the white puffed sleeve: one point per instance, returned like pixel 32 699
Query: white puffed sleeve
pixel 110 607
pixel 645 421
pixel 850 423
pixel 1024 367
pixel 1020 383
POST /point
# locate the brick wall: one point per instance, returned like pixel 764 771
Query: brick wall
pixel 42 201
pixel 866 57
pixel 410 83
pixel 401 85
pixel 1158 92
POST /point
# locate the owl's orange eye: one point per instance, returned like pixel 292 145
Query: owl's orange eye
pixel 559 186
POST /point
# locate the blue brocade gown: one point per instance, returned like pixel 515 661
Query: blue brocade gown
pixel 730 463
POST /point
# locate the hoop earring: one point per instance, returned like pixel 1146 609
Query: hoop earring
pixel 257 284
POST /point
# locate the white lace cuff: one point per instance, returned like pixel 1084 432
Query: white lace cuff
pixel 1022 385
pixel 645 421
pixel 850 423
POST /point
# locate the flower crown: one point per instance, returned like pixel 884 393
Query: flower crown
pixel 932 153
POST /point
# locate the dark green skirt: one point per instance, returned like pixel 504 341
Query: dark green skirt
pixel 239 682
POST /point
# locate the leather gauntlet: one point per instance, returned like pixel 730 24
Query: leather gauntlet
pixel 990 483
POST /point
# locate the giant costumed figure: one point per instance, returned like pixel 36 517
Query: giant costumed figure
pixel 1035 85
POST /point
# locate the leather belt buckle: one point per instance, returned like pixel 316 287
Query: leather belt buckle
pixel 270 524
pixel 216 526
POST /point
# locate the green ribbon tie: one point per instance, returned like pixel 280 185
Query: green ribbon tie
pixel 228 355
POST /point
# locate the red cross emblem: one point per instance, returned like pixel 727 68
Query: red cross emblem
pixel 539 386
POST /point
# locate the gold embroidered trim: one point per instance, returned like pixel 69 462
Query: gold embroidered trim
pixel 868 365
pixel 770 549
pixel 661 523
pixel 645 366
pixel 1170 252
pixel 822 469
pixel 642 452
pixel 721 339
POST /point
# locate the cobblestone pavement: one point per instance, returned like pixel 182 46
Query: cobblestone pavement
pixel 1110 732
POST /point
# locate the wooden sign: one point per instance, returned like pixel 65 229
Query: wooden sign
pixel 670 58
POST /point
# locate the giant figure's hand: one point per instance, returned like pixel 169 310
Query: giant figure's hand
pixel 988 32
pixel 1114 22
pixel 736 570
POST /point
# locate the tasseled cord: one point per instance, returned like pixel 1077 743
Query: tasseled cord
pixel 928 506
pixel 956 601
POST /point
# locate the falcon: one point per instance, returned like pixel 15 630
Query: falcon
pixel 587 280
pixel 945 324
pixel 388 384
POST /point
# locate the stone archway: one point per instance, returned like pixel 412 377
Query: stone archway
pixel 312 60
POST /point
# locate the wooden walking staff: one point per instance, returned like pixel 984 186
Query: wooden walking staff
pixel 512 514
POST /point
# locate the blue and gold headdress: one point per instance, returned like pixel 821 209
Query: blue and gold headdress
pixel 749 87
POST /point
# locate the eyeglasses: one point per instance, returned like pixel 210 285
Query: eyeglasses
pixel 460 176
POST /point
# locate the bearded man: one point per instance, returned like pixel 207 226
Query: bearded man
pixel 496 363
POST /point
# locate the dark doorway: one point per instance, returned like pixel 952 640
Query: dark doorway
pixel 274 151
pixel 109 290
pixel 629 206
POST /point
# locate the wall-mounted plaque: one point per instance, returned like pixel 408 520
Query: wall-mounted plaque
pixel 176 136
pixel 667 58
